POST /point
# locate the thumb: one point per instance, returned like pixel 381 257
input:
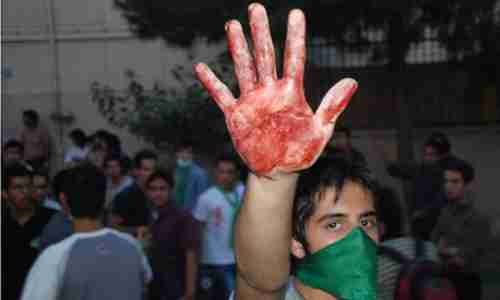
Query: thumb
pixel 336 100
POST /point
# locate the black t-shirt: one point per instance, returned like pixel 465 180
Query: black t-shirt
pixel 133 206
pixel 20 248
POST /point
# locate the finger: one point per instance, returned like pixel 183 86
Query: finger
pixel 263 44
pixel 295 46
pixel 218 90
pixel 336 100
pixel 243 61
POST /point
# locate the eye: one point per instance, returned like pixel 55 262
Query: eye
pixel 335 226
pixel 369 222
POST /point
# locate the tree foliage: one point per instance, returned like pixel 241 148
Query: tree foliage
pixel 165 115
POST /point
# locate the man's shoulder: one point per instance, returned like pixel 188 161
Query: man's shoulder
pixel 197 170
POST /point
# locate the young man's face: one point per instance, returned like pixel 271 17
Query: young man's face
pixel 40 188
pixel 113 169
pixel 454 185
pixel 19 192
pixel 331 221
pixel 158 192
pixel 430 155
pixel 145 169
pixel 226 174
pixel 12 155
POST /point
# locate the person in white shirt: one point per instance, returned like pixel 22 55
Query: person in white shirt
pixel 216 209
pixel 78 150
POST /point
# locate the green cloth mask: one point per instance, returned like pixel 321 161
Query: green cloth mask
pixel 346 269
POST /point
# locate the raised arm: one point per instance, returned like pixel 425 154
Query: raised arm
pixel 277 134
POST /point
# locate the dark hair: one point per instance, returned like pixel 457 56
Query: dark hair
pixel 390 212
pixel 143 155
pixel 32 115
pixel 325 173
pixel 344 129
pixel 59 181
pixel 161 174
pixel 440 142
pixel 12 171
pixel 78 137
pixel 185 144
pixel 461 166
pixel 85 191
pixel 228 157
pixel 13 144
pixel 122 160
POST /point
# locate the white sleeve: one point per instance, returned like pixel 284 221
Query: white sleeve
pixel 201 211
pixel 45 277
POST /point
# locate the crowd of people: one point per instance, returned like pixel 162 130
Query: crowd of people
pixel 107 226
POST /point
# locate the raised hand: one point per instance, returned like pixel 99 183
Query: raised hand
pixel 271 124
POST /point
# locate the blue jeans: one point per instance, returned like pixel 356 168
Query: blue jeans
pixel 216 281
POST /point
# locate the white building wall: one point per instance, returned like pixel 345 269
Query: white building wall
pixel 93 44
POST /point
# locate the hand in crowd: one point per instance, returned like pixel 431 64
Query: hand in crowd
pixel 271 124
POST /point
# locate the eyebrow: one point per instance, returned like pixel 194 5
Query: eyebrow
pixel 370 213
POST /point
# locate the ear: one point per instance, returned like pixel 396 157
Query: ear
pixel 297 249
pixel 64 203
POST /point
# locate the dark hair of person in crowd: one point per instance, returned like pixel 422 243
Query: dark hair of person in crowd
pixel 13 144
pixel 12 171
pixel 144 155
pixel 114 144
pixel 78 137
pixel 389 213
pixel 185 143
pixel 229 157
pixel 440 142
pixel 343 129
pixel 326 173
pixel 85 190
pixel 122 160
pixel 58 182
pixel 461 166
pixel 31 115
pixel 162 174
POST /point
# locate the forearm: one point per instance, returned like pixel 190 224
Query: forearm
pixel 191 273
pixel 264 231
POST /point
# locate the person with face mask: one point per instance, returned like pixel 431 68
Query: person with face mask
pixel 190 179
pixel 325 218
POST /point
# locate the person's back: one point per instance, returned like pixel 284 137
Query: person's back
pixel 95 262
pixel 104 264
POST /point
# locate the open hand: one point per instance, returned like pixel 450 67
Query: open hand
pixel 271 124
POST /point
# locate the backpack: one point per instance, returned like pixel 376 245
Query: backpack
pixel 420 278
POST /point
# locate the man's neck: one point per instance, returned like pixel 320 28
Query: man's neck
pixel 116 180
pixel 309 293
pixel 82 225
